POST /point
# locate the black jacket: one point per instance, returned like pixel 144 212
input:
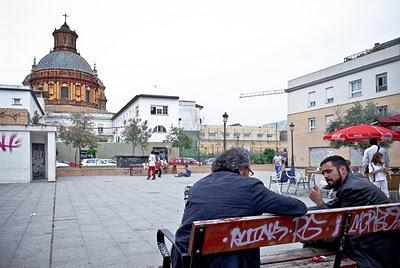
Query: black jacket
pixel 372 250
pixel 226 194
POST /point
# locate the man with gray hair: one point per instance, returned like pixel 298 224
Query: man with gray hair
pixel 228 192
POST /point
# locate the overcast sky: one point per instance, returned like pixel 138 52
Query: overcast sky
pixel 208 51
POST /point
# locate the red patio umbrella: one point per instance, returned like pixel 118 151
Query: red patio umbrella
pixel 393 120
pixel 360 133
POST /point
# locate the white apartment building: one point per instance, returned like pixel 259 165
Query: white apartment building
pixel 371 75
pixel 161 112
pixel 22 98
pixel 189 115
pixel 101 121
pixel 27 152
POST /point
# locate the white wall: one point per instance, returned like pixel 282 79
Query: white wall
pixel 15 166
pixel 98 118
pixel 341 89
pixel 190 115
pixel 6 97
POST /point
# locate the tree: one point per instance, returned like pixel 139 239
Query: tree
pixel 263 158
pixel 196 126
pixel 355 115
pixel 137 133
pixel 178 139
pixel 36 118
pixel 80 134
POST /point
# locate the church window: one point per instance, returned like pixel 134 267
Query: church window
pixel 51 89
pixel 78 91
pixel 87 95
pixel 64 93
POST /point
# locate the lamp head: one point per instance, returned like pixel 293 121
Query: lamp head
pixel 225 117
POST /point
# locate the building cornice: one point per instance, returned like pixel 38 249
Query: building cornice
pixel 345 73
pixel 142 96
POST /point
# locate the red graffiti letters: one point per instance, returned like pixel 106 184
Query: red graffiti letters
pixel 12 143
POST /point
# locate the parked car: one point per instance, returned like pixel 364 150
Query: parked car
pixel 72 164
pixel 61 164
pixel 89 162
pixel 209 161
pixel 92 162
pixel 180 161
pixel 106 162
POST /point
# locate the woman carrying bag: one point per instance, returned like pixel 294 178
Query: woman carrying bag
pixel 377 173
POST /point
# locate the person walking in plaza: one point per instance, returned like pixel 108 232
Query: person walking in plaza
pixel 151 171
pixel 278 161
pixel 377 173
pixel 158 167
pixel 370 151
pixel 227 192
pixel 377 250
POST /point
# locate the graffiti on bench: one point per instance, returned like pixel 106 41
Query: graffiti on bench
pixel 253 232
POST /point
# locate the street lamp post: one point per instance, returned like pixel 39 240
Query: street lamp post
pixel 291 139
pixel 225 119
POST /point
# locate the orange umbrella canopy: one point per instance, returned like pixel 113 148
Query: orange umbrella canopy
pixel 360 133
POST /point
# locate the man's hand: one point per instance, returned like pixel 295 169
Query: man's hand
pixel 316 196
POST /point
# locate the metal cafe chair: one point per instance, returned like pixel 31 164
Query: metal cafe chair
pixel 278 179
pixel 298 178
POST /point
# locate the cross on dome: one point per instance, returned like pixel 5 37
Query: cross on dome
pixel 65 18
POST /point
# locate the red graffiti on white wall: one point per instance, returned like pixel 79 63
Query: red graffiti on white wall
pixel 13 142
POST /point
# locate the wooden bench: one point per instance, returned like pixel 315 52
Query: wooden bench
pixel 235 234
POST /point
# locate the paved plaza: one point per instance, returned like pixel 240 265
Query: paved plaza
pixel 91 221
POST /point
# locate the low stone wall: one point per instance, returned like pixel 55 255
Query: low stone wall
pixel 115 171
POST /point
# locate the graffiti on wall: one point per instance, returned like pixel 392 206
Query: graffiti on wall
pixel 4 114
pixel 9 143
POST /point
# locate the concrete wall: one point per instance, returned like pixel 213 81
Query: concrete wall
pixel 109 150
pixel 114 171
pixel 15 163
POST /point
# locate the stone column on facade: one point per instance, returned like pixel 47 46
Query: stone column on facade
pixel 58 91
pixel 51 156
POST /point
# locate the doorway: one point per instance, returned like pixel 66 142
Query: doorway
pixel 38 161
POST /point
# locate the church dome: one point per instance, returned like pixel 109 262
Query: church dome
pixel 64 60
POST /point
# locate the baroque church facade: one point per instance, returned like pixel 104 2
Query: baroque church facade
pixel 70 85
pixel 65 78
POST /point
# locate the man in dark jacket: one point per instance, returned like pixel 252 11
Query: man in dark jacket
pixel 229 192
pixel 371 250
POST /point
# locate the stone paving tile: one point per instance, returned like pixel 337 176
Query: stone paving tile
pixel 98 221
